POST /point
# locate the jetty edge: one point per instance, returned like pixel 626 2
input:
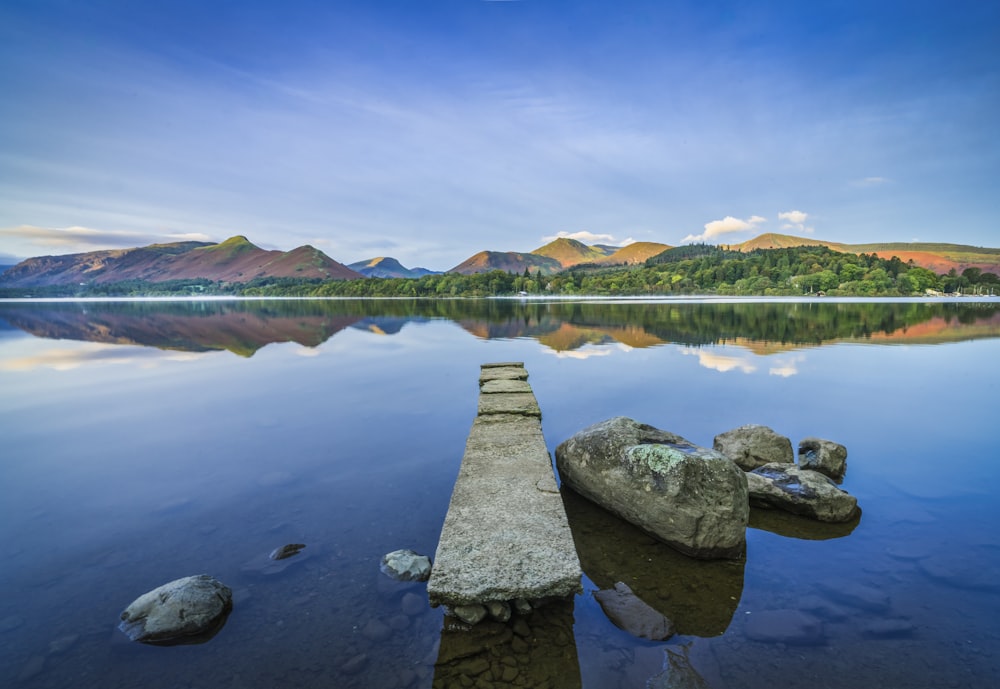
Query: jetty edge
pixel 505 544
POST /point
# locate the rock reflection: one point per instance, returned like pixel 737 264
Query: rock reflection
pixel 795 526
pixel 535 650
pixel 698 596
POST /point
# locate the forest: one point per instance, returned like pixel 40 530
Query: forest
pixel 689 270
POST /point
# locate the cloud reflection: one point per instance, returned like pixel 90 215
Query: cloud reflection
pixel 721 363
pixel 587 352
pixel 787 366
pixel 67 359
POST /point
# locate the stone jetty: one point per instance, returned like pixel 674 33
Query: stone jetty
pixel 506 544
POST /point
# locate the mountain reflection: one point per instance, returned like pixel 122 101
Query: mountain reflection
pixel 764 328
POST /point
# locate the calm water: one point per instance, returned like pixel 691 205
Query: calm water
pixel 142 442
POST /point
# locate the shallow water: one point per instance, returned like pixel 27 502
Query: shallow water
pixel 145 441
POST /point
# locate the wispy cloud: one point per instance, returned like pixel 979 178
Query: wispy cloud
pixel 36 240
pixel 870 182
pixel 728 225
pixel 796 220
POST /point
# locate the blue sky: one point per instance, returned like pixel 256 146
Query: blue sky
pixel 431 130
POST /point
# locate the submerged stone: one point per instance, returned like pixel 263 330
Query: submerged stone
pixel 185 608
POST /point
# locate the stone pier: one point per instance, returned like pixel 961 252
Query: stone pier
pixel 505 545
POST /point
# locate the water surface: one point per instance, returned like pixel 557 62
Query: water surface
pixel 145 441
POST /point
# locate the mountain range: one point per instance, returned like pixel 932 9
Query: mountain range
pixel 234 260
pixel 238 260
pixel 386 267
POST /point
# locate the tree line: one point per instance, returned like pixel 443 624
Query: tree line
pixel 687 270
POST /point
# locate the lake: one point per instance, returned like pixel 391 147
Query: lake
pixel 144 441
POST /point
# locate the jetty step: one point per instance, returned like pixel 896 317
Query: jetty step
pixel 505 540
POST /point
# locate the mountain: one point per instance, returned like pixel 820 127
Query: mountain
pixel 386 267
pixel 508 261
pixel 634 254
pixel 773 240
pixel 570 252
pixel 937 257
pixel 234 260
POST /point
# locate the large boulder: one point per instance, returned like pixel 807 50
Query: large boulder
pixel 689 497
pixel 181 611
pixel 752 445
pixel 824 456
pixel 800 491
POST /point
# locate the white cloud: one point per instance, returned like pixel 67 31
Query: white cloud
pixel 727 225
pixel 795 220
pixel 590 238
pixel 33 240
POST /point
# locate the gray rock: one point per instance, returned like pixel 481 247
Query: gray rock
pixel 406 565
pixel 188 607
pixel 692 498
pixel 498 610
pixel 629 612
pixel 824 456
pixel 470 614
pixel 800 491
pixel 792 627
pixel 753 445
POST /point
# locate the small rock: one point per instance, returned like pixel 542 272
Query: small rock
pixel 183 608
pixel 792 627
pixel 286 551
pixel 752 445
pixel 522 607
pixel 406 565
pixel 498 610
pixel 470 614
pixel 629 612
pixel 824 456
